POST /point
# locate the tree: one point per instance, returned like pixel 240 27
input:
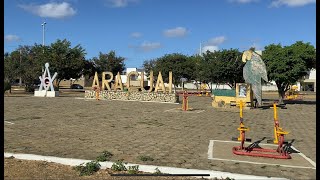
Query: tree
pixel 89 69
pixel 66 61
pixel 149 65
pixel 31 64
pixel 11 65
pixel 180 65
pixel 223 66
pixel 286 65
pixel 109 62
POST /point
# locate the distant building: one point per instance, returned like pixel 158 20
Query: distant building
pixel 308 82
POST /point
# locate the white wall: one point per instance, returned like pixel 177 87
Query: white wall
pixel 313 74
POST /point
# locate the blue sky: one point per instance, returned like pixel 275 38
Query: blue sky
pixel 146 29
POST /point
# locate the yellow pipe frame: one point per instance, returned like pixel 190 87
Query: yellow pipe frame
pixel 241 127
pixel 277 129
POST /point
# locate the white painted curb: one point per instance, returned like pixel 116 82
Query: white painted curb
pixel 144 168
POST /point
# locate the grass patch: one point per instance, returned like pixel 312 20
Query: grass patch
pixel 145 158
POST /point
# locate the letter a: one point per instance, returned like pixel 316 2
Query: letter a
pixel 95 80
pixel 118 83
pixel 160 83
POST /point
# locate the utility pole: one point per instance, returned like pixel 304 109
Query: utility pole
pixel 43 28
pixel 20 79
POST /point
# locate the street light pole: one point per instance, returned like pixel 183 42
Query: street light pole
pixel 20 79
pixel 43 27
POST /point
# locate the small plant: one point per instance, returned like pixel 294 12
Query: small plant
pixel 133 169
pixel 227 178
pixel 118 166
pixel 145 158
pixel 105 156
pixel 88 169
pixel 158 171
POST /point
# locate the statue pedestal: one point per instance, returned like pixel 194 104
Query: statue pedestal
pixel 46 93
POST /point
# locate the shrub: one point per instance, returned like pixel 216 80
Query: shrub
pixel 106 156
pixel 118 166
pixel 133 169
pixel 88 169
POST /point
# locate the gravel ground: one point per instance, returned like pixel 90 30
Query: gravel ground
pixel 76 128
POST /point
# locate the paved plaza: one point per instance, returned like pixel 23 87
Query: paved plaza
pixel 72 127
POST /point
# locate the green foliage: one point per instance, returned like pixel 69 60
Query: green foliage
pixel 118 166
pixel 180 65
pixel 89 69
pixel 6 85
pixel 88 169
pixel 105 156
pixel 145 158
pixel 133 169
pixel 66 61
pixel 11 66
pixel 109 62
pixel 223 66
pixel 286 65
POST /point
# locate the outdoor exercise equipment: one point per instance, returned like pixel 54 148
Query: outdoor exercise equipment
pixel 278 132
pixel 185 95
pixel 293 94
pixel 254 149
pixel 242 129
pixel 204 90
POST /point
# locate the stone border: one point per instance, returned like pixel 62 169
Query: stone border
pixel 134 95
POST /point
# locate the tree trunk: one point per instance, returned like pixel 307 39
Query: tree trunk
pixel 281 96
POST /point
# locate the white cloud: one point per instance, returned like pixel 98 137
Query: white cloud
pixel 175 32
pixel 243 1
pixel 147 46
pixel 204 49
pixel 212 44
pixel 119 3
pixel 11 38
pixel 291 3
pixel 51 10
pixel 217 40
pixel 136 35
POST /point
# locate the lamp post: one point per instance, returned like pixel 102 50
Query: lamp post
pixel 20 79
pixel 43 27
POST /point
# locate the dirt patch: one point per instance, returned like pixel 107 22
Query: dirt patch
pixel 25 169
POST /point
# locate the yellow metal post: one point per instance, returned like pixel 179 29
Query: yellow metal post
pixel 276 123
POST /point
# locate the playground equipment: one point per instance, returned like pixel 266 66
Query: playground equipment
pixel 293 94
pixel 185 95
pixel 278 132
pixel 254 149
pixel 242 129
pixel 204 90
